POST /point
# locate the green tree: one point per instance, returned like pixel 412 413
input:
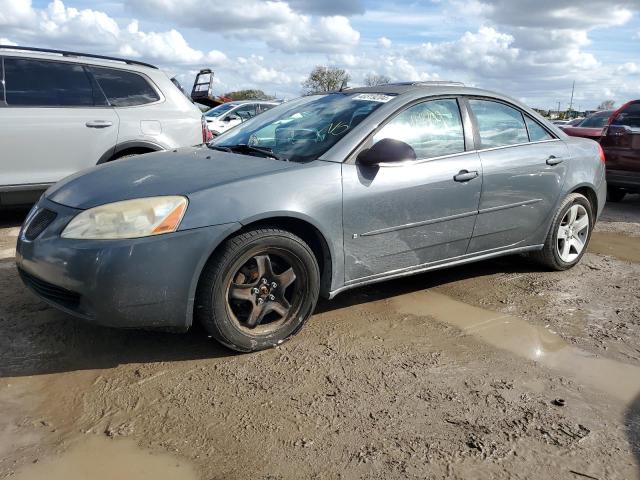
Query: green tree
pixel 325 79
pixel 249 94
pixel 373 79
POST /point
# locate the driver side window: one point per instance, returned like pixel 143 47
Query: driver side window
pixel 432 128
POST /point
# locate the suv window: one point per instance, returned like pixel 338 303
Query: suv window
pixel 124 89
pixel 629 117
pixel 432 128
pixel 37 83
pixel 536 132
pixel 498 124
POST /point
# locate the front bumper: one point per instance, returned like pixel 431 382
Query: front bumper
pixel 145 282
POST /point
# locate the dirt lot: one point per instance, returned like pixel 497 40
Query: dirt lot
pixel 494 370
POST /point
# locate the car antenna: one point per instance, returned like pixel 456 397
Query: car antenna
pixel 343 85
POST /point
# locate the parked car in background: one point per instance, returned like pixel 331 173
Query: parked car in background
pixel 618 132
pixel 572 123
pixel 228 115
pixel 591 127
pixel 621 143
pixel 61 112
pixel 560 123
pixel 318 195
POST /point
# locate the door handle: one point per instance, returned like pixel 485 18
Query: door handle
pixel 553 160
pixel 99 124
pixel 465 175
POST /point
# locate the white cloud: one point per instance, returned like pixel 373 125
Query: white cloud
pixel 67 27
pixel 273 22
pixel 6 41
pixel 384 42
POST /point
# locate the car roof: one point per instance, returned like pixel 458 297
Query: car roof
pixel 75 57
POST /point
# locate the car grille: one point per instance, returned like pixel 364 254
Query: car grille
pixel 51 292
pixel 39 223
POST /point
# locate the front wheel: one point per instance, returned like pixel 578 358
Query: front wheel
pixel 569 235
pixel 258 289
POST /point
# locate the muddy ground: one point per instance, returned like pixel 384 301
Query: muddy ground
pixel 492 370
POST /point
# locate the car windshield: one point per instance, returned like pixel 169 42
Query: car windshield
pixel 219 110
pixel 303 129
pixel 597 120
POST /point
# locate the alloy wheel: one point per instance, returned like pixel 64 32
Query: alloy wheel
pixel 573 233
pixel 265 292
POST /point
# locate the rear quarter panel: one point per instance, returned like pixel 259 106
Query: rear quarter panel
pixel 173 122
pixel 586 169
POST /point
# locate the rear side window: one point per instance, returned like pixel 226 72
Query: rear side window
pixel 536 132
pixel 432 128
pixel 629 117
pixel 124 89
pixel 498 124
pixel 262 107
pixel 597 120
pixel 36 83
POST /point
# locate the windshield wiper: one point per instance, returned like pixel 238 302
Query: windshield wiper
pixel 268 152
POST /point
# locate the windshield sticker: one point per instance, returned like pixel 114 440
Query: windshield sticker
pixel 373 97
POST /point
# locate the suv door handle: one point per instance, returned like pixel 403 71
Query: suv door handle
pixel 553 160
pixel 465 175
pixel 99 124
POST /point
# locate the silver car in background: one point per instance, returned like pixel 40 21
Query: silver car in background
pixel 61 112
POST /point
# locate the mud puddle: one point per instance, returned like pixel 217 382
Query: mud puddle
pixel 99 458
pixel 617 245
pixel 513 334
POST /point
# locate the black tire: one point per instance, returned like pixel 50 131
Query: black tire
pixel 235 265
pixel 615 194
pixel 549 255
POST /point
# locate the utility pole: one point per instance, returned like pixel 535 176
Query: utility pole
pixel 571 102
pixel 558 109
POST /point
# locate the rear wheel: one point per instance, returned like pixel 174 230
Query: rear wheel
pixel 258 290
pixel 615 194
pixel 569 235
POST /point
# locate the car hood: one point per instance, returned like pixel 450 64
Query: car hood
pixel 178 172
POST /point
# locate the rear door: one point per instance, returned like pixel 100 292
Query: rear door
pixel 523 166
pixel 55 121
pixel 400 216
pixel 622 146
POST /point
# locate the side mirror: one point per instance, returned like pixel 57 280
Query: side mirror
pixel 229 118
pixel 387 150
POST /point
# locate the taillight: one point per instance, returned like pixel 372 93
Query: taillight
pixel 207 136
pixel 603 159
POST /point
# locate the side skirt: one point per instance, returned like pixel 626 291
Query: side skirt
pixel 432 266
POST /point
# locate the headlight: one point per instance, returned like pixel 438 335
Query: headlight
pixel 141 217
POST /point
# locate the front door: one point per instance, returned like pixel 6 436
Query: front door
pixel 523 173
pixel 397 217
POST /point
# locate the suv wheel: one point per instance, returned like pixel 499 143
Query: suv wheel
pixel 569 234
pixel 258 290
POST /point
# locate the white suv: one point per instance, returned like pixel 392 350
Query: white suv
pixel 61 112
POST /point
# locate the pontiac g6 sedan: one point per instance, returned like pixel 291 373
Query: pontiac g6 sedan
pixel 316 196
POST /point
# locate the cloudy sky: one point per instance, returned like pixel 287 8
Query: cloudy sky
pixel 531 49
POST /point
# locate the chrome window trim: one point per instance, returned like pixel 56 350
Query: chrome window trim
pixel 415 162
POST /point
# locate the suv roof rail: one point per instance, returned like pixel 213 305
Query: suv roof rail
pixel 429 83
pixel 65 53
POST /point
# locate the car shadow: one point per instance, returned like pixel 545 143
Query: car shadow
pixel 38 339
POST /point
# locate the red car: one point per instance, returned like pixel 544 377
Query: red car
pixel 619 134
